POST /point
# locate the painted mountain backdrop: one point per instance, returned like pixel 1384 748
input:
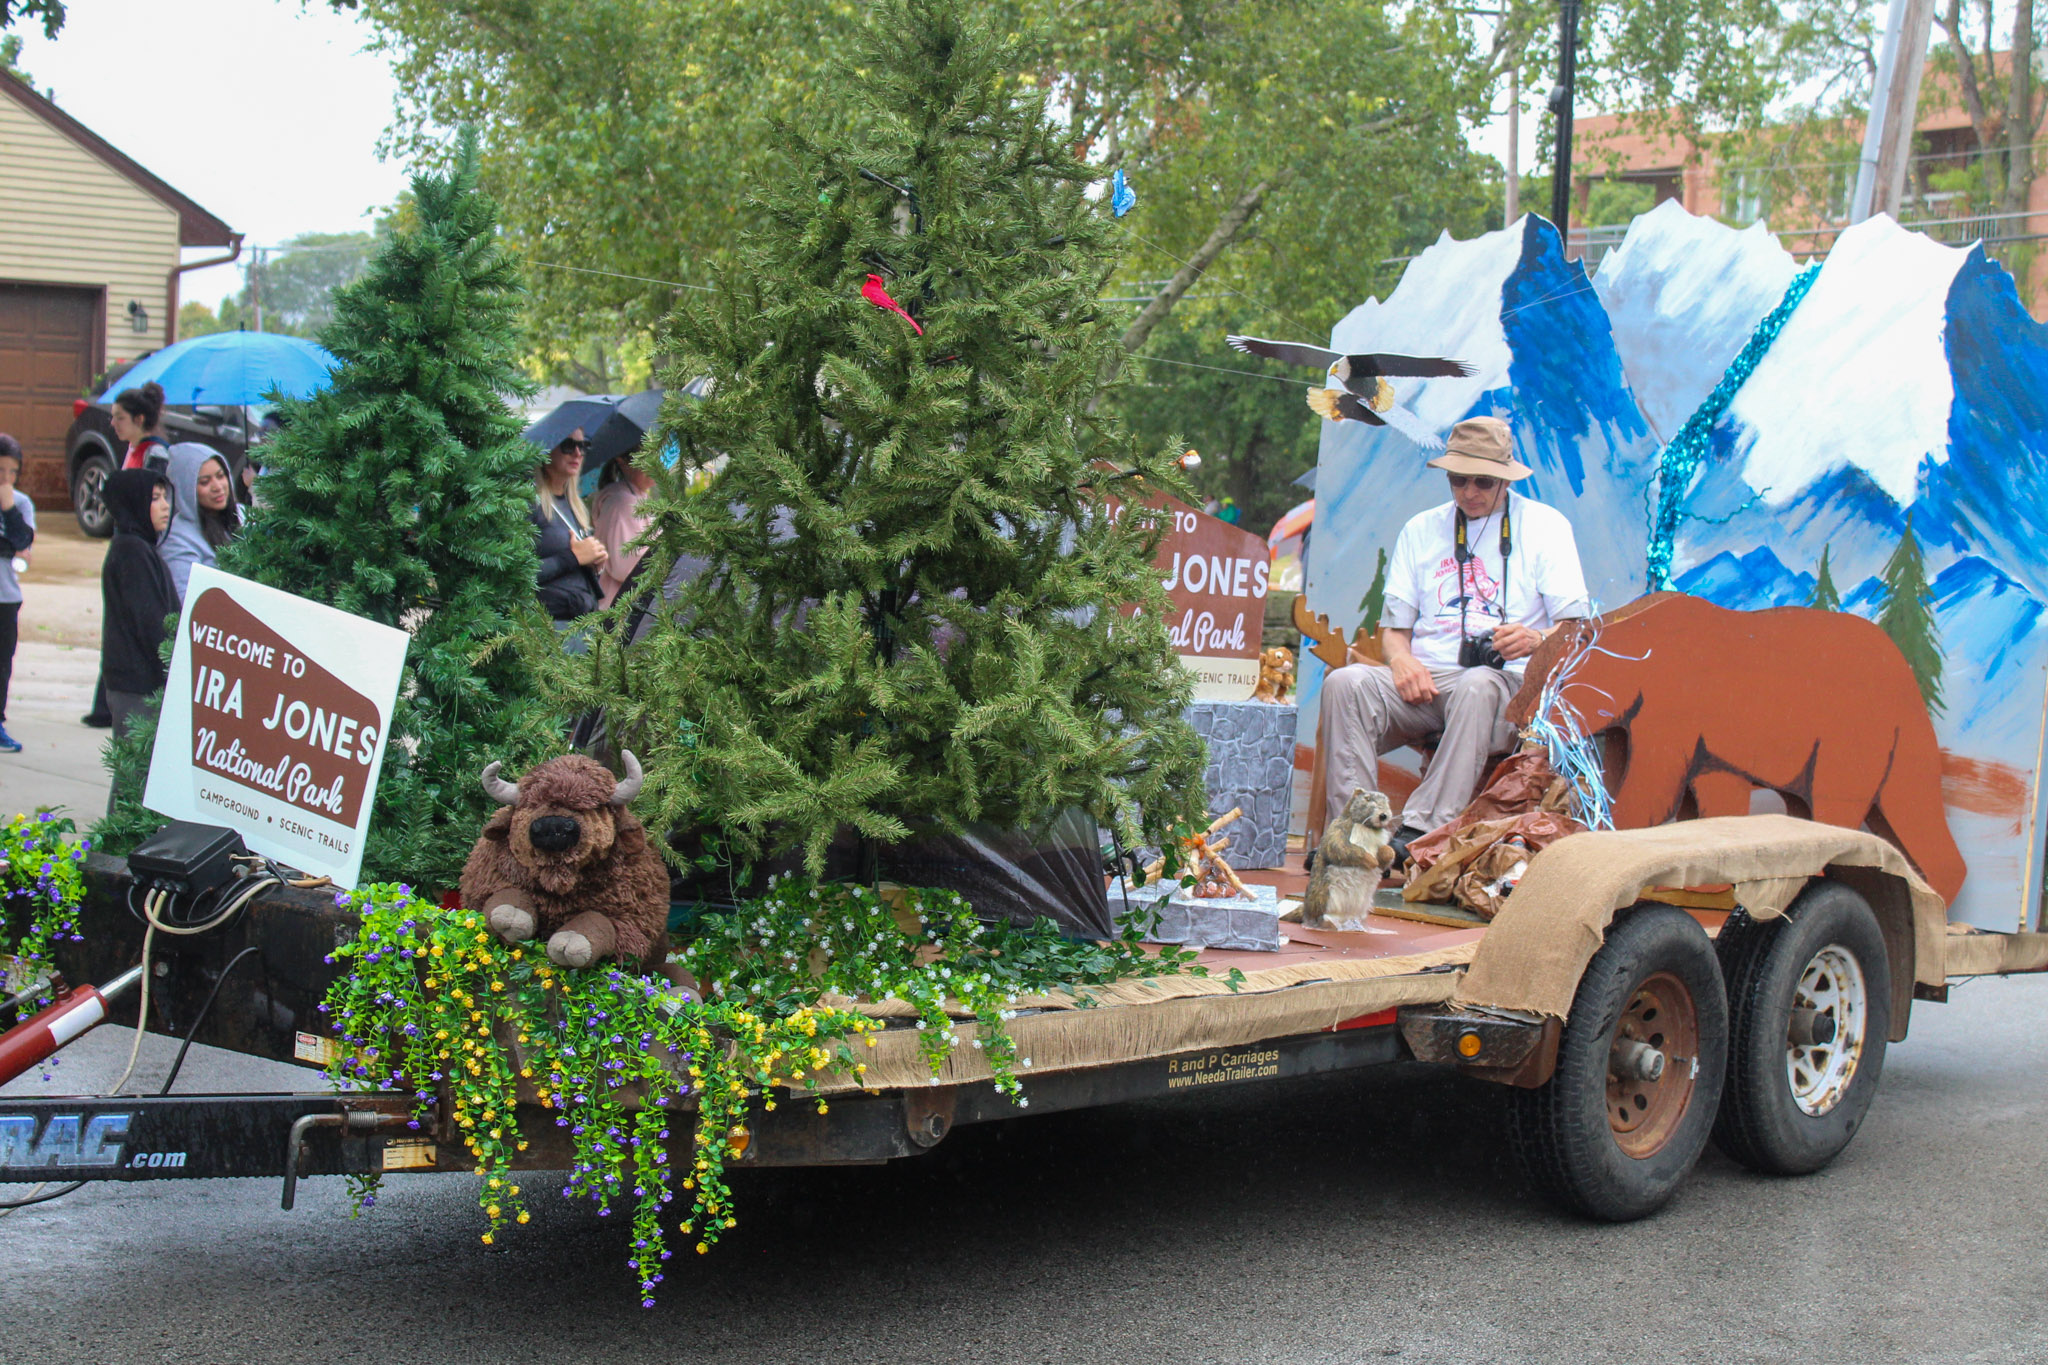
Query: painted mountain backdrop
pixel 1910 383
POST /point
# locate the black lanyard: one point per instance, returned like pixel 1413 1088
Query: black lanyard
pixel 1463 554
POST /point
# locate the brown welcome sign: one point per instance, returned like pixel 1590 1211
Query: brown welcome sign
pixel 1217 575
pixel 275 722
pixel 269 717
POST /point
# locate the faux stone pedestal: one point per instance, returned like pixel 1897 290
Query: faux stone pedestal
pixel 1252 923
pixel 1251 766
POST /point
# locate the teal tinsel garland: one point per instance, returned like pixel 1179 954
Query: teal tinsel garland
pixel 1681 458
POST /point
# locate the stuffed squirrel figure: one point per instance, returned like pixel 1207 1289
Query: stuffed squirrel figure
pixel 1356 850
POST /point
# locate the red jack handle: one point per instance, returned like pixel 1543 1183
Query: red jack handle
pixel 75 1011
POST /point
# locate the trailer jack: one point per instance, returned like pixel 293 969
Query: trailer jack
pixel 295 1143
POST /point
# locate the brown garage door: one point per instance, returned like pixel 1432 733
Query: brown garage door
pixel 47 344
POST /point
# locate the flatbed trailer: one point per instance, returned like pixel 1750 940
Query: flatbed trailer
pixel 1629 1027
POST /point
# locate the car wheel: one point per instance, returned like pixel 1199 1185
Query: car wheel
pixel 89 496
pixel 1809 1002
pixel 1618 1127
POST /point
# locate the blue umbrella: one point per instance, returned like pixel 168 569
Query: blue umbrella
pixel 232 368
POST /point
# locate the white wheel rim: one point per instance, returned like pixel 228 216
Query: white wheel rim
pixel 1832 987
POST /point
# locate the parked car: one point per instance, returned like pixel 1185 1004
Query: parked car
pixel 92 451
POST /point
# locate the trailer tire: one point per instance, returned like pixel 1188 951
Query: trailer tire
pixel 1790 1108
pixel 1615 1145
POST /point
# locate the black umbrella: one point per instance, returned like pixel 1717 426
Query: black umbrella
pixel 623 431
pixel 590 413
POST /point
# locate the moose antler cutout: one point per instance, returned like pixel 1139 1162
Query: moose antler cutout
pixel 1331 647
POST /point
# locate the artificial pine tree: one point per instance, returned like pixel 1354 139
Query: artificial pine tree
pixel 912 612
pixel 1908 616
pixel 400 493
pixel 1824 595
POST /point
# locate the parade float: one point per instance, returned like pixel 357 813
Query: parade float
pixel 907 703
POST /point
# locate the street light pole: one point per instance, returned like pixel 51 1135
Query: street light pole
pixel 1561 106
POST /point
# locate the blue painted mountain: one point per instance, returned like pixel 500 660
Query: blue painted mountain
pixel 1755 580
pixel 1991 493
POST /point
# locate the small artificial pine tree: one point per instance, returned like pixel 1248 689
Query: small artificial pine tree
pixel 400 493
pixel 1824 595
pixel 913 613
pixel 1908 616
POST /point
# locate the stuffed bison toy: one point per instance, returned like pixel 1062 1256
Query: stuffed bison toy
pixel 566 863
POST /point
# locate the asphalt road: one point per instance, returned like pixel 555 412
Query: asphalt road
pixel 1335 1219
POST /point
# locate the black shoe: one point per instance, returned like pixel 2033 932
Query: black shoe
pixel 1403 837
pixel 98 720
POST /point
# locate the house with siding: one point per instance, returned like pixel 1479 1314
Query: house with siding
pixel 91 254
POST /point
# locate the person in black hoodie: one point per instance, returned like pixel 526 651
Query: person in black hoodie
pixel 136 592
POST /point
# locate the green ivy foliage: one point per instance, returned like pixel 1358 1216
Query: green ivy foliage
pixel 42 884
pixel 912 614
pixel 436 1006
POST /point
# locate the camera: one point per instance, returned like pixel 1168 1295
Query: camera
pixel 1478 652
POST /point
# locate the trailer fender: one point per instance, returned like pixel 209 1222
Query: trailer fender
pixel 1536 950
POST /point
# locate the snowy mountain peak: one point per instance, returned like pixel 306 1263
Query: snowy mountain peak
pixel 1683 294
pixel 1448 303
pixel 1859 376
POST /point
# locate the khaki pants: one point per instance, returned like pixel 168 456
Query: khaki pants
pixel 1364 717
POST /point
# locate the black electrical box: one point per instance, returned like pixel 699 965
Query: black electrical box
pixel 186 860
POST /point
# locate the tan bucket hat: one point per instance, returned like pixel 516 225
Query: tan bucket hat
pixel 1484 446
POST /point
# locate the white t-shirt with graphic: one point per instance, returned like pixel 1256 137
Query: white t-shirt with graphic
pixel 1545 584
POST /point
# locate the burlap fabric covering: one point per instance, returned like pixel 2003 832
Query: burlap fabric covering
pixel 1557 918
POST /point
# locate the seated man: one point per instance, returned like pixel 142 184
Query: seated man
pixel 1473 586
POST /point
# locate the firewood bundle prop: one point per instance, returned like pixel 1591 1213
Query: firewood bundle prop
pixel 1213 876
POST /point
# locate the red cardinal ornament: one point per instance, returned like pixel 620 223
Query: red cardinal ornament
pixel 874 293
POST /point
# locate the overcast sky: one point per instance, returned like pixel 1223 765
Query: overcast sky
pixel 265 112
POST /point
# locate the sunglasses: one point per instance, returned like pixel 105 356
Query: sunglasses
pixel 573 445
pixel 1485 483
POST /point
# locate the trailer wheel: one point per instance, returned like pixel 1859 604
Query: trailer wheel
pixel 1638 1078
pixel 1809 1001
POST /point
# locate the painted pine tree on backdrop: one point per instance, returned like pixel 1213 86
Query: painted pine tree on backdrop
pixel 1908 616
pixel 400 493
pixel 913 611
pixel 1825 597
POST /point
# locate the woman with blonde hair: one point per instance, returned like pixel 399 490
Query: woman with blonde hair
pixel 570 555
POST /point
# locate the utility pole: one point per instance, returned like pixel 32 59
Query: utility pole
pixel 1894 108
pixel 256 286
pixel 1561 106
pixel 1513 207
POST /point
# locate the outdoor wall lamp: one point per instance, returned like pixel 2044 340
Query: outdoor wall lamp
pixel 138 316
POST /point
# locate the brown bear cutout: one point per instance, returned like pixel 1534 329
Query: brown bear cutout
pixel 564 862
pixel 1704 706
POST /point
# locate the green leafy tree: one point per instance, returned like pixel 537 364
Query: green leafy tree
pixel 913 614
pixel 1824 595
pixel 1907 615
pixel 400 493
pixel 295 285
pixel 1255 433
pixel 643 169
pixel 50 13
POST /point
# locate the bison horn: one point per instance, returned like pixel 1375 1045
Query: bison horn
pixel 498 789
pixel 629 785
